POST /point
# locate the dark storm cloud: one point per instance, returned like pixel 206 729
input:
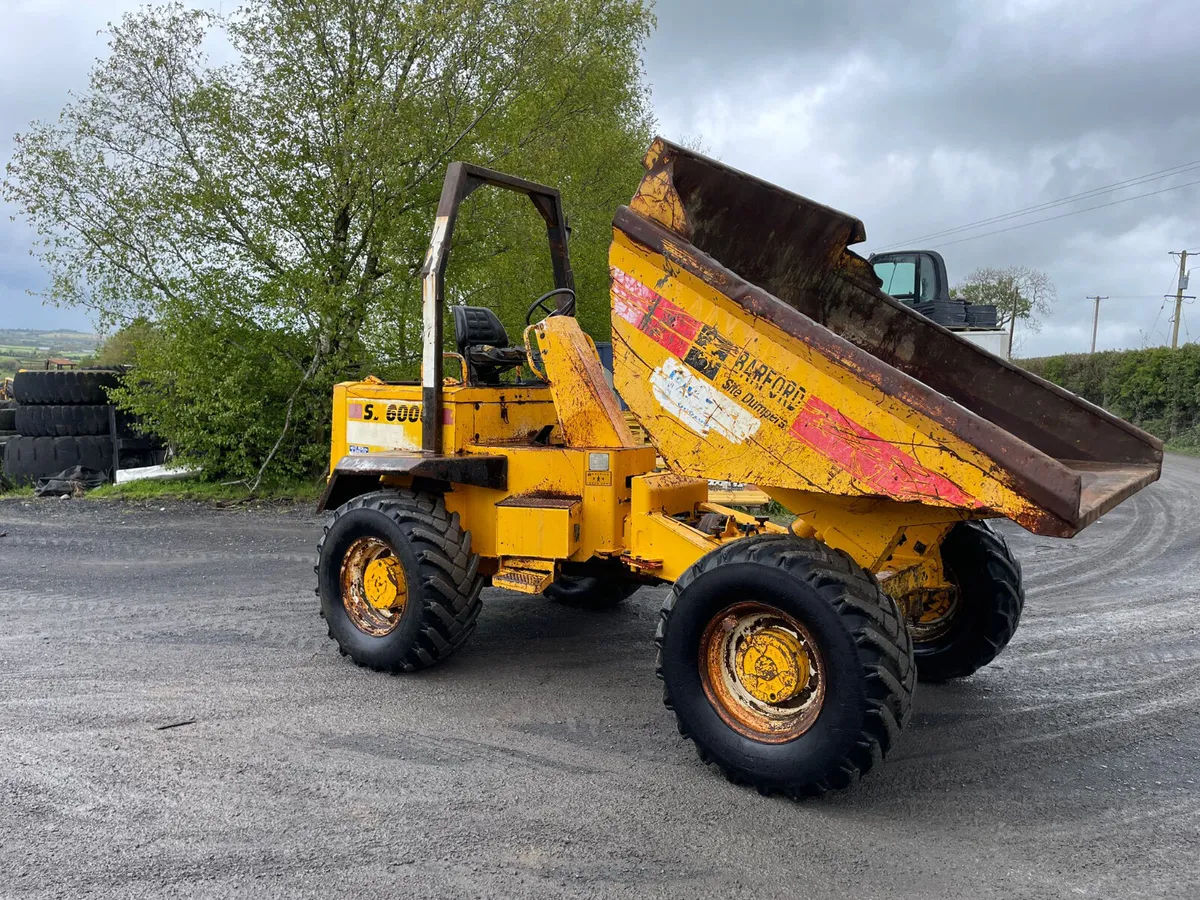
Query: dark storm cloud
pixel 46 48
pixel 912 116
pixel 726 38
pixel 916 117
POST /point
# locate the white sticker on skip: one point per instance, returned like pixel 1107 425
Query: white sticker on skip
pixel 698 405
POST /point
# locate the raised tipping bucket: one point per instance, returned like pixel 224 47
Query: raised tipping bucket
pixel 751 342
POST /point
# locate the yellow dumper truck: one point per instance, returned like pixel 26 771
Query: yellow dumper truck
pixel 752 346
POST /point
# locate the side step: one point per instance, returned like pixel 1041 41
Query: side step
pixel 524 574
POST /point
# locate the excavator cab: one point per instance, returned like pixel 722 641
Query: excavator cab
pixel 912 276
pixel 917 279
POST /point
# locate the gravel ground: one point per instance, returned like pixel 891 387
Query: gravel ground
pixel 539 762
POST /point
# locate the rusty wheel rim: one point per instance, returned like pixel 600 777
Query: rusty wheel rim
pixel 762 672
pixel 935 615
pixel 374 587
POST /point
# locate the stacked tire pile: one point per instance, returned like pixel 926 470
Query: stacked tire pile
pixel 951 313
pixel 959 313
pixel 981 315
pixel 8 423
pixel 60 419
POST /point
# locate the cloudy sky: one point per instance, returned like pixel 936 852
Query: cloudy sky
pixel 915 117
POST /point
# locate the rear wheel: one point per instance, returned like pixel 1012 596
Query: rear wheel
pixel 398 582
pixel 966 628
pixel 785 664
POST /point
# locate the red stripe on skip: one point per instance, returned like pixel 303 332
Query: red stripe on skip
pixel 668 315
pixel 871 459
pixel 652 314
pixel 632 300
pixel 663 336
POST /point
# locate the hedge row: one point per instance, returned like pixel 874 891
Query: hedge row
pixel 1156 389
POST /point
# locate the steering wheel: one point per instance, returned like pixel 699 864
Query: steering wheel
pixel 540 304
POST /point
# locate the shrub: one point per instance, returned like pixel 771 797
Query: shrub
pixel 1157 389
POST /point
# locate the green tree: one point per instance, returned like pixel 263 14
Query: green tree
pixel 125 345
pixel 269 213
pixel 1018 292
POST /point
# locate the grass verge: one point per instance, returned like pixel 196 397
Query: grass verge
pixel 297 491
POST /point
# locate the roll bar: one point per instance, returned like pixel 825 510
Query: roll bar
pixel 461 180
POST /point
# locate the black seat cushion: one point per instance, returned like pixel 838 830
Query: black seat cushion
pixel 482 340
pixel 477 326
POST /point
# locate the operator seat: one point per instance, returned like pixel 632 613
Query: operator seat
pixel 483 343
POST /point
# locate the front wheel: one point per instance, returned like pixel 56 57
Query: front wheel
pixel 785 664
pixel 398 582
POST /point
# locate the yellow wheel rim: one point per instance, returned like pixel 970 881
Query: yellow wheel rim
pixel 772 664
pixel 383 584
pixel 374 586
pixel 762 672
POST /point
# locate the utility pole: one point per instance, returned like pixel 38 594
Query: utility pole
pixel 1096 319
pixel 1183 282
pixel 1012 328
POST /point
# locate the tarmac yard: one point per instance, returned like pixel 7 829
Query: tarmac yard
pixel 539 761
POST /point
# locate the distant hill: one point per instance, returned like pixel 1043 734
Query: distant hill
pixel 30 347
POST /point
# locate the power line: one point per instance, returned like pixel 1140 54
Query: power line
pixel 1073 212
pixel 1050 204
pixel 1154 327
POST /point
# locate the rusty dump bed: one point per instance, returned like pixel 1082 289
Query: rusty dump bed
pixel 776 263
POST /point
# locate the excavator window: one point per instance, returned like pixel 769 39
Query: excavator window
pixel 911 278
pixel 899 277
pixel 929 280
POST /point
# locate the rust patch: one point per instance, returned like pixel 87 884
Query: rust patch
pixel 588 412
pixel 656 197
pixel 677 255
pixel 672 480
